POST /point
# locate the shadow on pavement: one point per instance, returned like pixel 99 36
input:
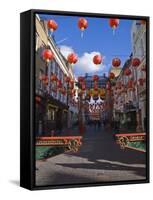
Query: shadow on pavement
pixel 141 171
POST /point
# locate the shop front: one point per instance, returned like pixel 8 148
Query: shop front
pixel 51 117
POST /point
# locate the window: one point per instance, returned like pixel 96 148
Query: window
pixel 51 114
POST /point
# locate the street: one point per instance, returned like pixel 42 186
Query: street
pixel 100 159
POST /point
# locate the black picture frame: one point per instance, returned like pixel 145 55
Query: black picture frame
pixel 27 92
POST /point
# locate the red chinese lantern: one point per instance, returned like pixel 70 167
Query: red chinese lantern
pixel 141 81
pixel 95 86
pixel 135 62
pixel 72 58
pixel 59 84
pixel 95 78
pixel 116 62
pixel 97 59
pixel 108 86
pixel 127 72
pixel 82 24
pixel 45 80
pixel 111 75
pixel 80 79
pixel 67 79
pixel 130 84
pixel 83 87
pixel 71 86
pixel 63 91
pixel 113 23
pixel 53 77
pixel 47 55
pixel 71 92
pixel 52 25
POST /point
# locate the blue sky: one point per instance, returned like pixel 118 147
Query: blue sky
pixel 98 37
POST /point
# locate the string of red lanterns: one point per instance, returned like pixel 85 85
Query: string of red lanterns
pixel 47 55
pixel 97 59
pixel 72 58
pixel 52 25
pixel 114 23
pixel 82 24
pixel 135 62
pixel 116 62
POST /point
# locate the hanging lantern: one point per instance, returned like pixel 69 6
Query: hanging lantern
pixel 71 84
pixel 52 25
pixel 63 91
pixel 95 78
pixel 130 84
pixel 111 75
pixel 116 62
pixel 127 72
pixel 97 59
pixel 72 92
pixel 135 62
pixel 82 24
pixel 80 79
pixel 108 86
pixel 83 87
pixel 113 23
pixel 53 77
pixel 72 58
pixel 45 80
pixel 59 84
pixel 47 55
pixel 141 81
pixel 67 79
pixel 95 86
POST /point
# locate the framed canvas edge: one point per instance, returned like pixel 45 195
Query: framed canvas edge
pixel 32 185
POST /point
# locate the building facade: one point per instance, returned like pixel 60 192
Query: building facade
pixel 129 90
pixel 53 98
pixel 138 35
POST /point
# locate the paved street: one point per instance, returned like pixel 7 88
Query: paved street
pixel 99 159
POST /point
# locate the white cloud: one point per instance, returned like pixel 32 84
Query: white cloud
pixel 65 50
pixel 85 62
